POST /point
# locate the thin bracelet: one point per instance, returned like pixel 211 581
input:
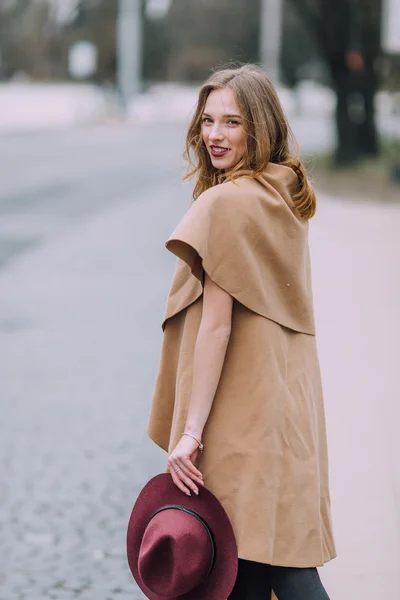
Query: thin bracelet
pixel 201 447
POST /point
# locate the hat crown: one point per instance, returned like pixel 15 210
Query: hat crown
pixel 153 565
pixel 176 553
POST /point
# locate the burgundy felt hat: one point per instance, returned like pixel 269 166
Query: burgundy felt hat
pixel 181 547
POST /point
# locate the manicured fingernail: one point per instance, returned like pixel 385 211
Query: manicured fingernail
pixel 196 492
pixel 188 494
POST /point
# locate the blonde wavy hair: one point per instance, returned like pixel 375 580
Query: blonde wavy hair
pixel 268 135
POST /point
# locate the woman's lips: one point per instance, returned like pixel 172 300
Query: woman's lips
pixel 218 151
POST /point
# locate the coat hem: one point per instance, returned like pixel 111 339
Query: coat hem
pixel 173 244
pixel 308 565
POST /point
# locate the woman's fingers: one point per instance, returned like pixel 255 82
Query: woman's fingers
pixel 188 483
pixel 189 463
pixel 187 480
pixel 184 480
pixel 190 470
pixel 184 468
pixel 184 473
pixel 179 484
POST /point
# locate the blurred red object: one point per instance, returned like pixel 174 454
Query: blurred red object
pixel 354 60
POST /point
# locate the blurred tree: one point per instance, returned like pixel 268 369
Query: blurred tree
pixel 391 70
pixel 348 35
pixel 24 38
pixel 204 33
pixel 94 20
pixel 156 49
pixel 299 55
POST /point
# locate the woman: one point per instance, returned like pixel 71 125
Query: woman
pixel 239 372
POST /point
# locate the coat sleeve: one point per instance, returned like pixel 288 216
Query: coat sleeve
pixel 251 250
pixel 208 238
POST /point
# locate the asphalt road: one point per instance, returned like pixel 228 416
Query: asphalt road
pixel 55 179
pixel 83 280
pixel 76 372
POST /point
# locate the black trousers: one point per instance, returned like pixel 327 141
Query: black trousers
pixel 255 581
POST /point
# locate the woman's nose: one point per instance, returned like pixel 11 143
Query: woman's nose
pixel 216 133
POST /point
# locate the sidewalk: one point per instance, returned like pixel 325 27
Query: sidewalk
pixel 28 106
pixel 80 337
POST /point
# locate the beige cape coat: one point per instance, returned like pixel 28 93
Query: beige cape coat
pixel 265 454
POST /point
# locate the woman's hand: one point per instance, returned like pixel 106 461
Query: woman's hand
pixel 181 464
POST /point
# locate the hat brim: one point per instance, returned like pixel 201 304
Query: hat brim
pixel 160 491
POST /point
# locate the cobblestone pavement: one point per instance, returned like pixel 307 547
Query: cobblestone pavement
pixel 80 314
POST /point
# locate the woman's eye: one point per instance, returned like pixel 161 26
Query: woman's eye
pixel 233 122
pixel 207 120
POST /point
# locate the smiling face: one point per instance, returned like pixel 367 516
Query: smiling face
pixel 222 129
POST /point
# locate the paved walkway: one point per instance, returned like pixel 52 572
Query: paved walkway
pixel 79 342
pixel 356 253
